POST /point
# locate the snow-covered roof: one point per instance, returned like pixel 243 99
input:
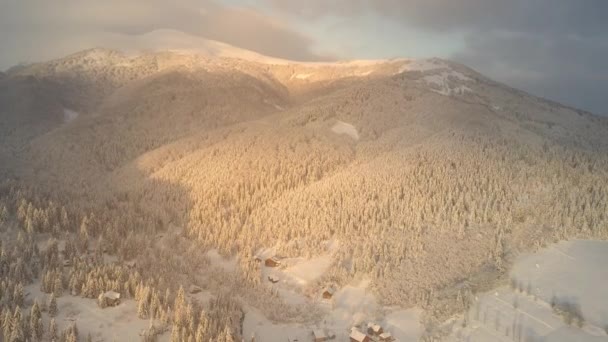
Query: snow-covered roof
pixel 274 259
pixel 330 290
pixel 356 335
pixel 376 328
pixel 112 295
pixel 319 333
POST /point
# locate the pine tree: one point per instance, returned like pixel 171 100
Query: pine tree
pixel 179 307
pixel 101 301
pixel 17 334
pixel 57 286
pixel 201 333
pixel 53 306
pixel 7 325
pixel 36 321
pixel 3 214
pixel 53 329
pixel 18 295
pixel 228 334
pixel 142 309
pixel 38 330
pixel 175 335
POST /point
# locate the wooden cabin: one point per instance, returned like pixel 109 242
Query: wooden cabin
pixel 374 329
pixel 194 289
pixel 319 335
pixel 272 262
pixel 111 298
pixel 328 293
pixel 386 337
pixel 357 336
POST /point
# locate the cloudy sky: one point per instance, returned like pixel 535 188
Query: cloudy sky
pixel 552 48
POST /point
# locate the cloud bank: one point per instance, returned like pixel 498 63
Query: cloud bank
pixel 552 48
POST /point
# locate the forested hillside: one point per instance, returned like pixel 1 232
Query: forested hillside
pixel 429 177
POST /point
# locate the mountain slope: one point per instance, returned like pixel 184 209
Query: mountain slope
pixel 426 172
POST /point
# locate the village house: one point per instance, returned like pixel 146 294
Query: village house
pixel 272 262
pixel 131 264
pixel 67 263
pixel 374 329
pixel 357 336
pixel 273 279
pixel 111 298
pixel 386 337
pixel 328 293
pixel 194 289
pixel 319 335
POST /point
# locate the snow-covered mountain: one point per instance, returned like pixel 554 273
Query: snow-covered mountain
pixel 422 173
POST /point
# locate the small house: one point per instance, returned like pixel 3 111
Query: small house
pixel 293 339
pixel 112 298
pixel 272 262
pixel 319 335
pixel 328 293
pixel 386 337
pixel 374 329
pixel 257 258
pixel 194 289
pixel 357 336
pixel 131 264
pixel 67 263
pixel 273 279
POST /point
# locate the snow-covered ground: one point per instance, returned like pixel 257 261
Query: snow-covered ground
pixel 119 323
pixel 573 271
pixel 69 115
pixel 341 127
pixel 216 259
pixel 305 271
pixel 350 306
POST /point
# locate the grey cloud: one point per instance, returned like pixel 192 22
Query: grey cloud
pixel 552 48
pixel 41 29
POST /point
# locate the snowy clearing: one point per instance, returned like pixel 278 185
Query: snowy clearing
pixel 119 323
pixel 341 127
pixel 351 305
pixel 305 271
pixel 302 76
pixel 69 115
pixel 216 259
pixel 571 272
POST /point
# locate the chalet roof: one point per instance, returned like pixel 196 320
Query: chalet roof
pixel 385 335
pixel 356 335
pixel 194 289
pixel 319 333
pixel 330 290
pixel 112 295
pixel 375 327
